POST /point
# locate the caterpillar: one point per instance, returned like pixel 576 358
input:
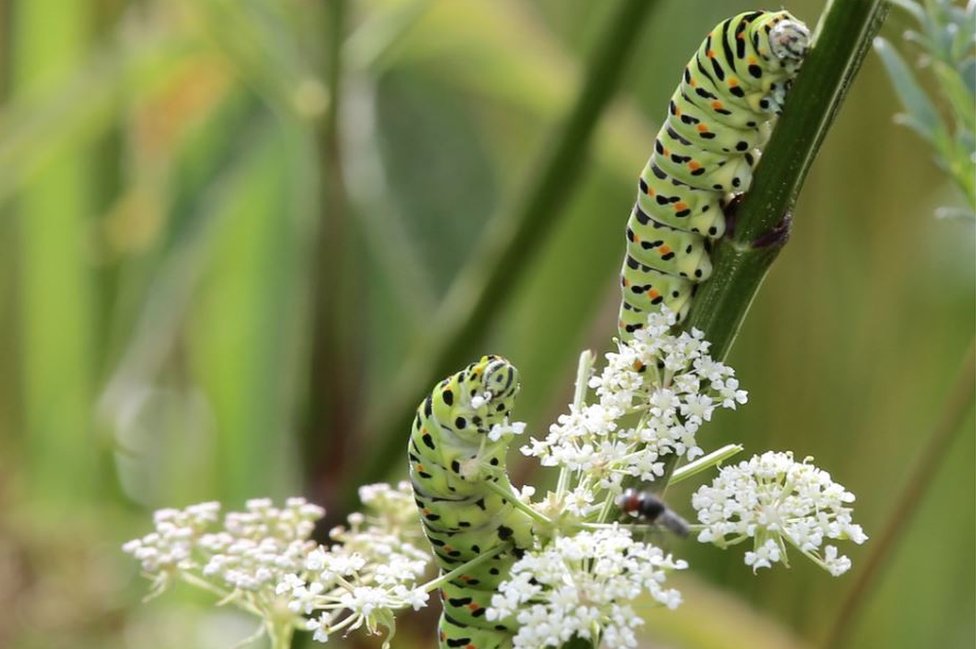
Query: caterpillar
pixel 452 460
pixel 648 507
pixel 718 120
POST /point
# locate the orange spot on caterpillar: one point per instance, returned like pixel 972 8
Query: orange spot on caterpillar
pixel 710 54
pixel 425 511
pixel 733 82
pixel 702 128
pixel 663 250
pixel 636 238
pixel 717 105
pixel 420 467
pixel 677 111
pixel 472 606
pixel 678 207
pixel 650 191
pixel 626 282
pixel 694 166
pixel 752 60
pixel 653 294
pixel 667 153
pixel 638 366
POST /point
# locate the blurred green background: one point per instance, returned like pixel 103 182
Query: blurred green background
pixel 220 274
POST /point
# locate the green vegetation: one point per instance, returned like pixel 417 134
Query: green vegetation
pixel 229 230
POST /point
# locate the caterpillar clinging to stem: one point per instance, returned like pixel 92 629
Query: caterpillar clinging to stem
pixel 718 119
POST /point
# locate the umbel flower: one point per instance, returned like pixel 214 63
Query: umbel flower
pixel 584 585
pixel 263 560
pixel 653 395
pixel 776 501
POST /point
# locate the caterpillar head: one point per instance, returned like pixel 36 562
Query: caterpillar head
pixel 782 38
pixel 495 382
pixel 789 40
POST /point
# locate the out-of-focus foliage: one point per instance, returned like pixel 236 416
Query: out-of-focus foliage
pixel 946 36
pixel 174 207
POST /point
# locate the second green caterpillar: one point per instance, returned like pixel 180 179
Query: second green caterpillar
pixel 718 119
pixel 465 497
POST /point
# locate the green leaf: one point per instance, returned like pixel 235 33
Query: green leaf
pixel 925 119
pixel 913 8
pixel 956 92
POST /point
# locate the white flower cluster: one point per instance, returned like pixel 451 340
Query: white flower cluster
pixel 775 500
pixel 583 585
pixel 264 561
pixel 653 395
pixel 370 572
pixel 251 551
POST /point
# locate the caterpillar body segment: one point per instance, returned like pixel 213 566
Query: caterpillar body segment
pixel 718 120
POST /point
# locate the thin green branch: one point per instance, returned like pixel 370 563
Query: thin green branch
pixel 488 279
pixel 950 425
pixel 466 567
pixel 762 221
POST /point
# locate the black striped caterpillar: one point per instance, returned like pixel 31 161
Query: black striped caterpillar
pixel 718 119
pixel 452 458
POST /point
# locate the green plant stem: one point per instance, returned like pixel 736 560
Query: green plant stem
pixel 762 221
pixel 280 635
pixel 330 420
pixel 950 425
pixel 484 284
pixel 466 567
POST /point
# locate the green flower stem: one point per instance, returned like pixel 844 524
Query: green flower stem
pixel 224 595
pixel 516 503
pixel 704 463
pixel 950 426
pixel 280 633
pixel 762 221
pixel 583 371
pixel 484 284
pixel 466 567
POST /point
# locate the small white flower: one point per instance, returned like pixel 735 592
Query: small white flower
pixel 506 430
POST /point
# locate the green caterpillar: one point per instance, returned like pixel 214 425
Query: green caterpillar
pixel 718 119
pixel 451 461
